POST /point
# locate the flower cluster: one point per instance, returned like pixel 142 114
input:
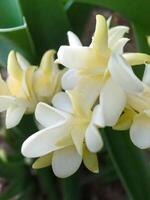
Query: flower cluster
pixel 100 89
pixel 27 85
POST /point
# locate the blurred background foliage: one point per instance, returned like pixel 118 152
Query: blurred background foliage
pixel 32 27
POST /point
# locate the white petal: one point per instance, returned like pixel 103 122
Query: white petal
pixel 22 61
pixel 5 102
pixel 14 115
pixel 97 117
pixel 140 131
pixel 70 79
pixel 47 115
pixel 123 74
pixel 112 101
pixel 90 160
pixel 62 101
pixel 115 34
pixel 93 139
pixel 100 36
pixel 146 76
pixel 78 57
pixel 44 141
pixel 73 39
pixel 78 134
pixel 109 21
pixel 66 162
pixel 85 94
pixel 119 45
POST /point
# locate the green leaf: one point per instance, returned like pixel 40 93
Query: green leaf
pixel 78 21
pixel 10 15
pixel 70 187
pixel 14 32
pixel 47 22
pixel 130 163
pixel 128 9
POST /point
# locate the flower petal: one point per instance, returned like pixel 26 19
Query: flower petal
pixel 3 87
pixel 136 58
pixel 112 101
pixel 146 75
pixel 100 37
pixel 66 162
pixel 140 131
pixel 90 161
pixel 78 137
pixel 5 102
pixel 84 96
pixel 123 74
pixel 47 62
pixel 22 61
pixel 14 114
pixel 44 141
pixel 109 21
pixel 125 121
pixel 43 161
pixel 115 34
pixel 79 57
pixel 73 39
pixel 62 101
pixel 119 45
pixel 47 115
pixel 93 139
pixel 13 67
pixel 97 117
pixel 70 79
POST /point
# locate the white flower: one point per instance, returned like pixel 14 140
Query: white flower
pixel 26 85
pixel 137 113
pixel 90 72
pixel 70 136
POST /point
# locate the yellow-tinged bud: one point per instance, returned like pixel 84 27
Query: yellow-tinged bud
pixel 136 58
pixel 100 38
pixel 13 68
pixel 46 78
pixel 26 85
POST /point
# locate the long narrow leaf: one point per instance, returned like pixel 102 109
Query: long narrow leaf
pixel 14 32
pixel 130 163
pixel 47 22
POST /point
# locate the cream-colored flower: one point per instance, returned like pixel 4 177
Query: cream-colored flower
pixel 90 70
pixel 70 136
pixel 26 85
pixel 136 116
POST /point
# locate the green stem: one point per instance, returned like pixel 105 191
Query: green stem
pixel 48 183
pixel 130 163
pixel 71 188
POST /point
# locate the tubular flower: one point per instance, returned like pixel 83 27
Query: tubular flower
pixel 26 85
pixel 69 136
pixel 90 70
pixel 136 115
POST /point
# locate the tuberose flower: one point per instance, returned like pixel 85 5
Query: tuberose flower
pixel 69 136
pixel 136 115
pixel 90 70
pixel 26 85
